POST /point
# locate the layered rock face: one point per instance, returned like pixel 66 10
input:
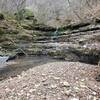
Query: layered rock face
pixel 74 42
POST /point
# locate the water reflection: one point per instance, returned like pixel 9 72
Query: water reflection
pixel 16 67
pixel 3 62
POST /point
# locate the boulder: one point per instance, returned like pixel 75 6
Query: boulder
pixel 1 16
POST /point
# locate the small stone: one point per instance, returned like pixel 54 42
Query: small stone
pixel 37 85
pixel 39 93
pixel 59 98
pixel 76 78
pixel 31 97
pixel 24 85
pixel 67 92
pixel 45 84
pixel 94 93
pixel 53 86
pixel 95 98
pixel 22 91
pixel 82 80
pixel 56 78
pixel 76 88
pixel 19 94
pixel 43 97
pixel 82 85
pixel 31 90
pixel 73 98
pixel 19 76
pixel 28 94
pixel 43 80
pixel 10 78
pixel 7 90
pixel 89 97
pixel 24 74
pixel 65 84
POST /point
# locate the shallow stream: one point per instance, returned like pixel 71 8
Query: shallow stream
pixel 16 67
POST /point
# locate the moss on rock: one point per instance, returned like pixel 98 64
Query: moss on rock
pixel 25 36
pixel 8 31
pixel 8 45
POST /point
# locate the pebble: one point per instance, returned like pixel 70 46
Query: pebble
pixel 45 84
pixel 43 80
pixel 65 84
pixel 73 98
pixel 19 94
pixel 37 85
pixel 56 78
pixel 76 88
pixel 82 85
pixel 90 97
pixel 8 90
pixel 19 76
pixel 24 85
pixel 43 74
pixel 95 98
pixel 32 90
pixel 28 94
pixel 82 80
pixel 53 86
pixel 67 92
pixel 24 74
pixel 59 98
pixel 22 91
pixel 94 93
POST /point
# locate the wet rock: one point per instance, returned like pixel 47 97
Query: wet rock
pixel 2 16
pixel 11 58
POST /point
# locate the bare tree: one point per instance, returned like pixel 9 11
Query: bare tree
pixel 20 5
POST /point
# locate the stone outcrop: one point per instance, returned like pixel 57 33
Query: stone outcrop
pixel 75 42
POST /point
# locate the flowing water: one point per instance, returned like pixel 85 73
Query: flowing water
pixel 16 67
